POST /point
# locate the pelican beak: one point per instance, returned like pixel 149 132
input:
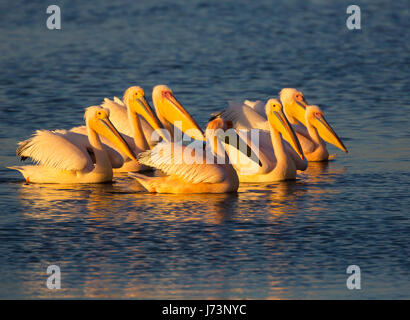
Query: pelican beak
pixel 300 110
pixel 107 129
pixel 327 133
pixel 146 112
pixel 278 120
pixel 179 117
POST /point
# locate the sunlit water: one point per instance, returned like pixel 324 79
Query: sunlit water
pixel 280 240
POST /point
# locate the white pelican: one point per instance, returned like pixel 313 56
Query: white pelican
pixel 168 111
pixel 279 160
pixel 63 161
pixel 295 106
pixel 196 176
pixel 137 110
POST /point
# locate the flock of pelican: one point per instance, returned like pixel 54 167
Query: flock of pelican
pixel 129 136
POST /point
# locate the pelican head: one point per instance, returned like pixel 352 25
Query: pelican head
pixel 97 119
pixel 314 115
pixel 134 98
pixel 216 129
pixel 294 105
pixel 278 121
pixel 168 108
pixel 219 123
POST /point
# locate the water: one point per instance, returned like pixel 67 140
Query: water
pixel 280 240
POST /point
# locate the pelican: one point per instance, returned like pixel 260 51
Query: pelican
pixel 168 111
pixel 137 110
pixel 295 106
pixel 312 131
pixel 199 175
pixel 278 160
pixel 63 161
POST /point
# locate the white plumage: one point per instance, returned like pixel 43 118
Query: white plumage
pixel 55 149
pixel 258 106
pixel 118 115
pixel 245 117
pixel 68 157
pixel 279 158
pixel 78 135
pixel 167 157
pixel 190 169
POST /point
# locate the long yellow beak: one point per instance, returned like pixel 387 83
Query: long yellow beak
pixel 327 133
pixel 299 111
pixel 279 121
pixel 146 112
pixel 179 117
pixel 108 130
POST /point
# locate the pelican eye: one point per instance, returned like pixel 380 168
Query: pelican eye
pixel 275 107
pixel 318 115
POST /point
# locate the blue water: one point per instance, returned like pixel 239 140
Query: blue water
pixel 280 240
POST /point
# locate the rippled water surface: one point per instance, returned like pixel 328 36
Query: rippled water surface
pixel 280 240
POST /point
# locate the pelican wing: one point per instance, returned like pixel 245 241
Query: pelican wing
pixel 118 115
pixel 52 149
pixel 119 101
pixel 258 106
pixel 168 158
pixel 244 117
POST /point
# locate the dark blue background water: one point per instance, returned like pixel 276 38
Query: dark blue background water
pixel 280 240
